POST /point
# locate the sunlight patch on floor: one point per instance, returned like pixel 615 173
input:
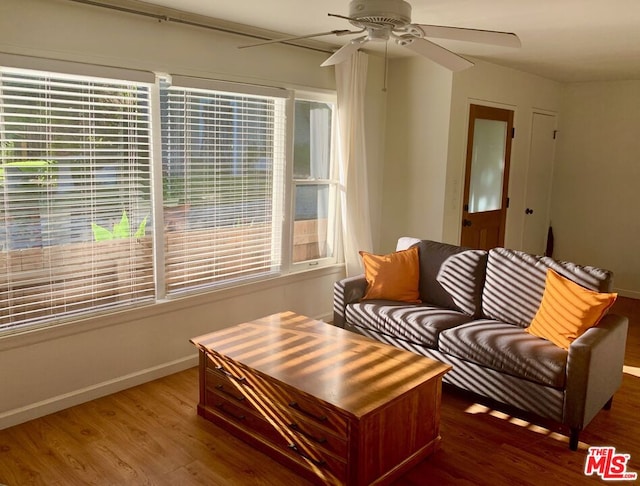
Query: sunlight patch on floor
pixel 477 409
pixel 632 370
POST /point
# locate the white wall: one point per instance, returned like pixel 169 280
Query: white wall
pixel 60 29
pixel 47 370
pixel 494 85
pixel 427 117
pixel 418 109
pixel 595 199
pixel 596 196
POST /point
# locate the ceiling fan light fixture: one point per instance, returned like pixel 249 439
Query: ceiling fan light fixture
pixel 392 13
pixel 379 35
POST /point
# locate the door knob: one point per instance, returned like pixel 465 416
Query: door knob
pixel 528 211
pixel 466 222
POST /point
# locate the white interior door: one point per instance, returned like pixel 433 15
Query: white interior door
pixel 539 181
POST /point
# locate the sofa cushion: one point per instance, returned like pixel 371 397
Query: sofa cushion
pixel 451 276
pixel 515 281
pixel 418 323
pixel 507 348
pixel 394 276
pixel 567 310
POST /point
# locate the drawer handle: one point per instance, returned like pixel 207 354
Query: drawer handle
pixel 296 406
pixel 297 428
pixel 221 369
pixel 228 393
pixel 220 406
pixel 319 463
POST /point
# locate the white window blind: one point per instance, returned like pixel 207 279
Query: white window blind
pixel 223 158
pixel 74 195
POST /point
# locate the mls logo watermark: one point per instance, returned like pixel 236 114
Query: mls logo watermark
pixel 609 465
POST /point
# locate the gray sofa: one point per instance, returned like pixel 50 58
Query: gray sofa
pixel 474 311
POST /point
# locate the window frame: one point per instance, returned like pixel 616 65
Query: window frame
pixel 333 211
pixel 231 89
pixel 157 232
pixel 75 304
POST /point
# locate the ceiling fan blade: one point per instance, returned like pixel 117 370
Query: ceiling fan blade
pixel 299 37
pixel 504 39
pixel 345 51
pixel 439 54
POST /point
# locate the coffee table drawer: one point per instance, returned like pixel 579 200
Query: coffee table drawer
pixel 245 419
pixel 319 438
pixel 313 415
pixel 222 385
pixel 334 470
pixel 217 365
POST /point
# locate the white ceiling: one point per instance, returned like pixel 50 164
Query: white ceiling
pixel 565 40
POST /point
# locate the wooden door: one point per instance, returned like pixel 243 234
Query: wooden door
pixel 539 177
pixel 485 203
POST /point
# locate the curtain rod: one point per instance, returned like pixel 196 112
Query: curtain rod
pixel 218 28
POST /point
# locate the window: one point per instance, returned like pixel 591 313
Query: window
pixel 86 224
pixel 223 160
pixel 314 187
pixel 75 195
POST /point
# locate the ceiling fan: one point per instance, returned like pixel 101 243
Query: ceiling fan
pixel 384 20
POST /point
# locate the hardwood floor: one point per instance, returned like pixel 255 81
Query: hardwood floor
pixel 151 435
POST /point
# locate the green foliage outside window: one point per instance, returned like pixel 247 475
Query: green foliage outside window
pixel 121 230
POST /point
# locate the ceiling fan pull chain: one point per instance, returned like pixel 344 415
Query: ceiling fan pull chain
pixel 386 66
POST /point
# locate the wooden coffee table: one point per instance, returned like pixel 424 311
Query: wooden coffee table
pixel 336 407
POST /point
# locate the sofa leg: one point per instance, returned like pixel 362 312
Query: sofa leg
pixel 607 406
pixel 573 439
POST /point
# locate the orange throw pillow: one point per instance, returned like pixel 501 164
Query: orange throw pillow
pixel 394 276
pixel 567 310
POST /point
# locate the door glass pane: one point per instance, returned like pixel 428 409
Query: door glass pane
pixel 487 165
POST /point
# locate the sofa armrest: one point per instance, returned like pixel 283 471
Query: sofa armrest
pixel 594 370
pixel 346 291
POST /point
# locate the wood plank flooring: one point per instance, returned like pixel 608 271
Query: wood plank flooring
pixel 151 435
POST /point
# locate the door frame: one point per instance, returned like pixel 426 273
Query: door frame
pixel 468 155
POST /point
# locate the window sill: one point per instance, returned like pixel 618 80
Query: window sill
pixel 54 331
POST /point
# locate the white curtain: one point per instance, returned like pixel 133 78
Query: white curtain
pixel 351 79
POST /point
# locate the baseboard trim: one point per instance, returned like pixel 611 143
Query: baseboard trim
pixel 325 318
pixel 32 411
pixel 632 294
pixel 76 397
